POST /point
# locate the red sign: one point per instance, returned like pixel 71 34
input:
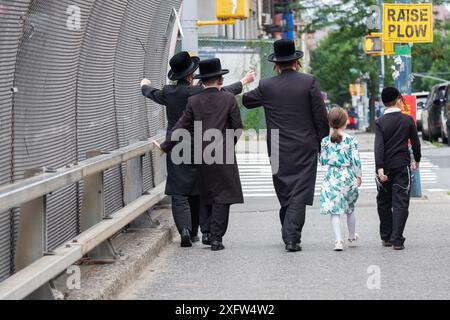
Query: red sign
pixel 410 107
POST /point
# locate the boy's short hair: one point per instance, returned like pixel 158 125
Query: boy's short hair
pixel 390 96
pixel 211 81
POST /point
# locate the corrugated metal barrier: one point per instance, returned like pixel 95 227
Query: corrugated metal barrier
pixel 69 83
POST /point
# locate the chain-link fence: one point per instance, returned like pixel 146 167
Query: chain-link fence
pixel 69 83
pixel 240 56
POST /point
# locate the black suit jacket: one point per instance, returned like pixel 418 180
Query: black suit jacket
pixel 181 179
pixel 294 106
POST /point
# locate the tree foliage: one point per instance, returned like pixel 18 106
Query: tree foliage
pixel 340 52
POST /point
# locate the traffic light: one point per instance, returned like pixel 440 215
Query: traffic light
pixel 232 9
pixel 373 44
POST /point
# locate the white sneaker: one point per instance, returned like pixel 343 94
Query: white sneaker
pixel 339 246
pixel 353 243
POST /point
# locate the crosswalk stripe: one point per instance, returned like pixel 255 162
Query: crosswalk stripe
pixel 256 174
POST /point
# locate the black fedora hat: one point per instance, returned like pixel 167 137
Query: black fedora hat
pixel 285 51
pixel 211 68
pixel 182 65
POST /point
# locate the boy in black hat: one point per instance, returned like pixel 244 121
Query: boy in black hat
pixel 394 131
pixel 218 113
pixel 182 179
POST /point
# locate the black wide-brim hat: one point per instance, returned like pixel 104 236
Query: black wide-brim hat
pixel 211 68
pixel 182 65
pixel 285 51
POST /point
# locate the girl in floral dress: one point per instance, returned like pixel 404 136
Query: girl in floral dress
pixel 340 187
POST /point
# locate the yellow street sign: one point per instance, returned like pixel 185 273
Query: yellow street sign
pixel 232 9
pixel 404 23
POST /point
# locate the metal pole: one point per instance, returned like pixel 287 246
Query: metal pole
pixel 404 84
pixel 189 23
pixel 32 237
pixel 382 61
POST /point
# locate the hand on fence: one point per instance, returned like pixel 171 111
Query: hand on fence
pixel 156 144
pixel 146 82
pixel 249 77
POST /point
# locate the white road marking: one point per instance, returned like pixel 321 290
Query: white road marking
pixel 256 174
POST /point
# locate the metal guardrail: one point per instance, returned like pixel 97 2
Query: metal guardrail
pixel 36 266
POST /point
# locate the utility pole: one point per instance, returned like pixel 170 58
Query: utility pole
pixel 189 23
pixel 382 61
pixel 404 85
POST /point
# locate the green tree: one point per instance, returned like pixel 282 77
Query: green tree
pixel 340 53
pixel 432 59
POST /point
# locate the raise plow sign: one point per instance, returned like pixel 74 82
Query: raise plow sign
pixel 408 23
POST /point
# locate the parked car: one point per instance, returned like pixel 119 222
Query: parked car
pixel 445 117
pixel 432 115
pixel 421 98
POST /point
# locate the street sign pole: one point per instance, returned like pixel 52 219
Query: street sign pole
pixel 404 84
pixel 189 23
pixel 382 63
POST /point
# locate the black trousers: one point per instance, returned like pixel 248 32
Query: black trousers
pixel 186 213
pixel 393 205
pixel 214 220
pixel 292 221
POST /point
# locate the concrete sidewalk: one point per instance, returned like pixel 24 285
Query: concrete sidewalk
pixel 255 265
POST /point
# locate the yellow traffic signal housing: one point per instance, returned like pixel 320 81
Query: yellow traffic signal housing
pixel 232 9
pixel 375 46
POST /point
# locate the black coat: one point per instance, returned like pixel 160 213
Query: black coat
pixel 181 179
pixel 218 183
pixel 293 103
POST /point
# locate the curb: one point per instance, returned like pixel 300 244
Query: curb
pixel 136 249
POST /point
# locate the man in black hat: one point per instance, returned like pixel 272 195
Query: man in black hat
pixel 182 179
pixel 218 113
pixel 393 163
pixel 294 106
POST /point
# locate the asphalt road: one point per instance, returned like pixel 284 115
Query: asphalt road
pixel 255 265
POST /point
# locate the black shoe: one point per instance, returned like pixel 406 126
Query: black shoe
pixel 217 246
pixel 399 248
pixel 206 239
pixel 293 247
pixel 195 239
pixel 186 239
pixel 386 244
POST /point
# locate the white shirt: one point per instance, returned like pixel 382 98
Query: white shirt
pixel 392 110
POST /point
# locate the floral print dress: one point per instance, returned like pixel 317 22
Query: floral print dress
pixel 339 190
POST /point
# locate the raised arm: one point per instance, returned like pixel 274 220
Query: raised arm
pixel 238 87
pixel 253 99
pixel 152 93
pixel 319 111
pixel 235 88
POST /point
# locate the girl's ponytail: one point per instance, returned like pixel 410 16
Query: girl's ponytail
pixel 337 118
pixel 336 137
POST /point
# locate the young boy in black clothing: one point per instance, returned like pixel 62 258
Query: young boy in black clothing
pixel 394 131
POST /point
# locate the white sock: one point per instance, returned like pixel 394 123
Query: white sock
pixel 336 223
pixel 351 223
